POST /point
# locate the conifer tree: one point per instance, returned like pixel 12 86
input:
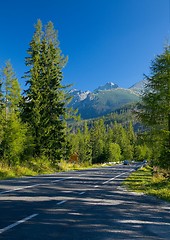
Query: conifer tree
pixel 131 133
pixel 114 152
pixel 1 110
pixel 120 137
pixel 98 140
pixel 155 106
pixel 44 104
pixel 12 91
pixel 84 150
pixel 14 132
pixel 31 100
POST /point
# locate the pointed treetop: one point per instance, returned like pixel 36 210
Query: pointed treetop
pixel 38 34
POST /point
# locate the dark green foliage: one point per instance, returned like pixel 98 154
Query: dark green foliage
pixel 45 100
pixel 105 143
pixel 98 134
pixel 36 127
pixel 155 106
pixel 84 146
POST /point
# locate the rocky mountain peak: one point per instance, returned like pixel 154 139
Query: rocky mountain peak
pixel 107 86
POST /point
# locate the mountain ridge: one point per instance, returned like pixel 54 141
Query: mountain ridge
pixel 104 99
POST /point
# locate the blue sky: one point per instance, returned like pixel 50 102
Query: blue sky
pixel 105 40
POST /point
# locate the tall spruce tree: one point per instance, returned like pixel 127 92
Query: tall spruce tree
pixel 155 106
pixel 45 101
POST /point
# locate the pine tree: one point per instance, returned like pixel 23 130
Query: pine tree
pixel 121 138
pixel 84 147
pixel 14 132
pixel 12 91
pixel 1 110
pixel 45 101
pixel 98 135
pixel 131 133
pixel 31 100
pixel 154 111
pixel 114 152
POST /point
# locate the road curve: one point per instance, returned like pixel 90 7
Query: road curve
pixel 80 205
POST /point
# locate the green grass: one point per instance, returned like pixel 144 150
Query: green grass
pixel 143 181
pixel 41 166
pixel 34 167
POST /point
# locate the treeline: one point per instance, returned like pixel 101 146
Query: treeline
pixel 101 143
pixel 34 124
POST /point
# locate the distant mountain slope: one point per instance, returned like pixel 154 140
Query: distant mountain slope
pixel 103 100
pixel 139 87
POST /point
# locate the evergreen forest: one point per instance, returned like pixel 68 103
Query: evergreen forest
pixel 38 130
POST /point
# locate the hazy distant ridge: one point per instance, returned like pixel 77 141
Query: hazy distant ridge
pixel 104 99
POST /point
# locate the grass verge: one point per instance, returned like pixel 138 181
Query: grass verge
pixel 41 166
pixel 144 181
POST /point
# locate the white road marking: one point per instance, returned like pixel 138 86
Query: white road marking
pixel 66 191
pixel 143 222
pixel 75 213
pixel 20 188
pixel 17 223
pixel 113 178
pixel 82 174
pixel 81 193
pixel 117 176
pixel 59 203
pixel 31 186
pixel 62 179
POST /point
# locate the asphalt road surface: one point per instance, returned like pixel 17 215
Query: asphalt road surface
pixel 80 205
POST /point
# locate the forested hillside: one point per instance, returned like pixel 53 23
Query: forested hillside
pixel 39 131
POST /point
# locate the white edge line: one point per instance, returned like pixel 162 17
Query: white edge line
pixel 17 223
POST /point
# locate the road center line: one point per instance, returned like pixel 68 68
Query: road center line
pixel 21 188
pixel 59 203
pixel 81 193
pixel 17 223
pixel 62 179
pixel 31 186
pixel 116 176
pixel 82 174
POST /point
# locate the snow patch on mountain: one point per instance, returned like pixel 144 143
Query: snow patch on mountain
pixel 107 86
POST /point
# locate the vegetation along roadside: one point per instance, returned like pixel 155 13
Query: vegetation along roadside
pixel 150 182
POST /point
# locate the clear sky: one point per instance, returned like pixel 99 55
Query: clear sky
pixel 105 40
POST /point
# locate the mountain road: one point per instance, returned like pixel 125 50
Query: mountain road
pixel 89 204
